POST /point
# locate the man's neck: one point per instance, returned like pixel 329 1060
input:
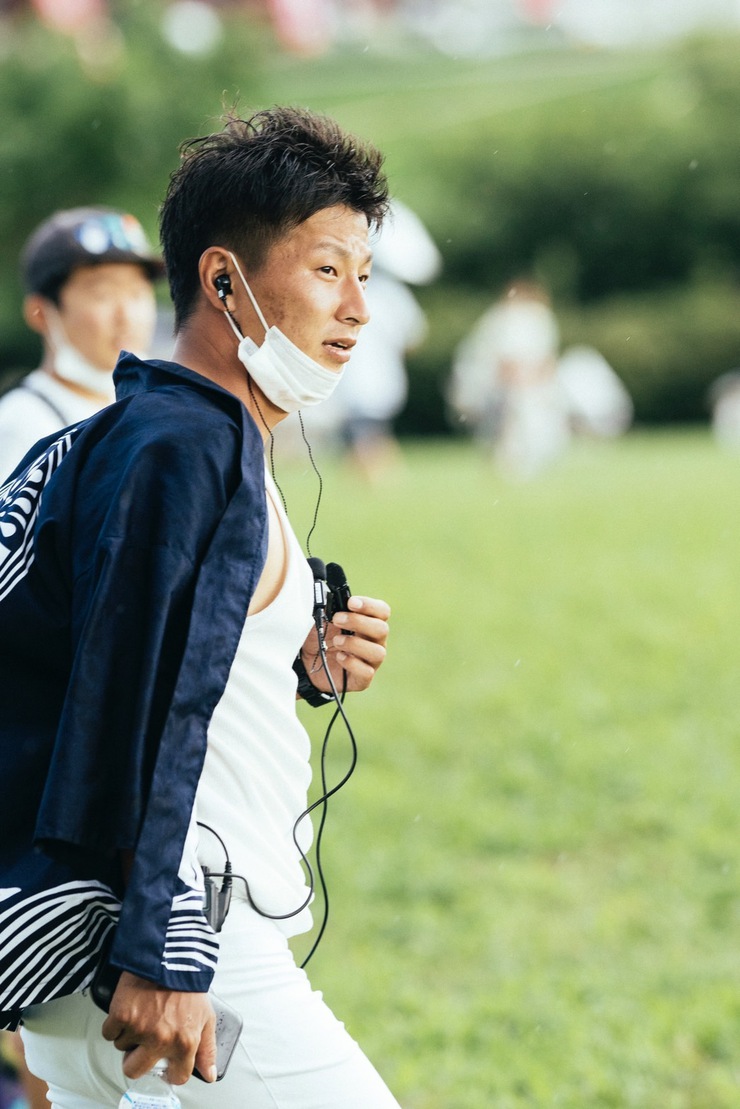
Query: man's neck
pixel 215 358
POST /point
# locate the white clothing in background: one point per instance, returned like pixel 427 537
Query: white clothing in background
pixel 38 406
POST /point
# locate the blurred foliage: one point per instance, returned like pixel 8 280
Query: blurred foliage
pixel 624 202
pixel 610 176
pixel 103 130
pixel 622 189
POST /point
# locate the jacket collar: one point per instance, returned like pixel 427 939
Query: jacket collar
pixel 134 375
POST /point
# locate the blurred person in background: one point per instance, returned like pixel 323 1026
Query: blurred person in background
pixel 504 381
pixel 522 398
pixel 598 402
pixel 88 275
pixel 724 402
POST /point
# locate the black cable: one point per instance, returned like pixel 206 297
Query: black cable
pixel 268 429
pixel 218 837
pixel 321 483
pixel 327 793
pixel 321 801
pixel 322 824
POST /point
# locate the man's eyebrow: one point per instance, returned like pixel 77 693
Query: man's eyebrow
pixel 342 251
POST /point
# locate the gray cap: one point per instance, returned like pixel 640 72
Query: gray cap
pixel 84 237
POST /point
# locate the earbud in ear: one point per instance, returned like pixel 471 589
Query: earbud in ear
pixel 222 284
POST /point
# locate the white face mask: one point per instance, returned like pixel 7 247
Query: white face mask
pixel 71 365
pixel 287 376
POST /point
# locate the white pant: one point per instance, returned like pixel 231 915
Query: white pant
pixel 292 1054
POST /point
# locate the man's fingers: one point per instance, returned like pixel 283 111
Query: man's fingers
pixel 360 661
pixel 112 1028
pixel 368 627
pixel 205 1056
pixel 180 1069
pixel 367 617
pixel 368 642
pixel 127 1040
pixel 361 654
pixel 139 1060
pixel 180 1056
pixel 370 606
pixel 148 1023
pixel 182 1052
pixel 363 650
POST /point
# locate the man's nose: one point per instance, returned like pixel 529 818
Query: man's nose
pixel 355 307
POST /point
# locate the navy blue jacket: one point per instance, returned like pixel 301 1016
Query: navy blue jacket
pixel 130 546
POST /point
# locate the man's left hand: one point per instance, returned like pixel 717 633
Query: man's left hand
pixel 359 655
pixel 148 1022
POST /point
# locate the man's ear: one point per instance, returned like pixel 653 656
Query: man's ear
pixel 215 262
pixel 35 309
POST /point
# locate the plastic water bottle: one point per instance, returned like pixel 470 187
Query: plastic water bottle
pixel 151 1091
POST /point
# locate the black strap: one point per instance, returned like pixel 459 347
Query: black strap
pixel 49 403
pixel 308 691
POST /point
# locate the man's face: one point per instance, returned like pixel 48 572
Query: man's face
pixel 108 308
pixel 311 285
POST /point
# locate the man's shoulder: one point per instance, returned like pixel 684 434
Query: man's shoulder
pixel 134 376
pixel 169 408
pixel 168 438
pixel 166 399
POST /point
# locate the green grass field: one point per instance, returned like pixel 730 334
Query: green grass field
pixel 534 872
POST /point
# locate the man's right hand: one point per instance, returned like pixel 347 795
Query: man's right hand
pixel 149 1023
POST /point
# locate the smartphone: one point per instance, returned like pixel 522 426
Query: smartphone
pixel 228 1029
pixel 228 1021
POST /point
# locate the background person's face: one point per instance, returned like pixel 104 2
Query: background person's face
pixel 108 308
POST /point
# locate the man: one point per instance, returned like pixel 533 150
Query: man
pixel 88 275
pixel 152 603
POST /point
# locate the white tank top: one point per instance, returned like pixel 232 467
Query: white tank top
pixel 256 773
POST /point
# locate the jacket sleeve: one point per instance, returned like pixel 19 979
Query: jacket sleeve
pixel 167 545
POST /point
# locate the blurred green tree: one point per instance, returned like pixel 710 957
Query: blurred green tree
pixel 103 126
